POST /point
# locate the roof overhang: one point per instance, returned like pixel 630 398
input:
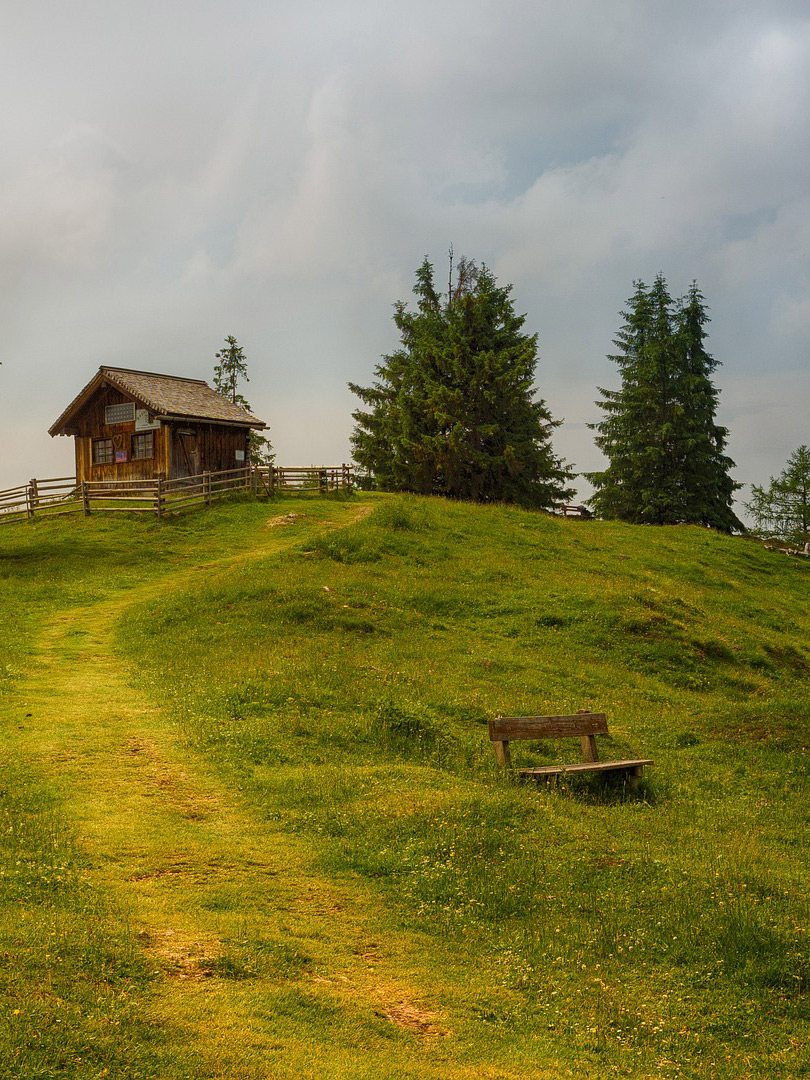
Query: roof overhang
pixel 104 377
pixel 78 402
pixel 181 418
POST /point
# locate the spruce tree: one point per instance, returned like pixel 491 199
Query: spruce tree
pixel 665 451
pixel 452 410
pixel 707 488
pixel 783 507
pixel 231 367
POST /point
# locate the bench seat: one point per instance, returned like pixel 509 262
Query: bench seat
pixel 547 772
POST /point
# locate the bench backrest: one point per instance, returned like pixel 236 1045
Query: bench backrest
pixel 586 725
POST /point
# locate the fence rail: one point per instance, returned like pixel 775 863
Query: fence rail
pixel 320 478
pixel 63 495
pixel 50 496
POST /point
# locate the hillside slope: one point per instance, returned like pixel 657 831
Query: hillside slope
pixel 313 681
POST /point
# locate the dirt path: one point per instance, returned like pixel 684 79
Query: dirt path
pixel 198 872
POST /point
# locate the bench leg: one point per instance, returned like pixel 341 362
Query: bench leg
pixel 502 755
pixel 633 777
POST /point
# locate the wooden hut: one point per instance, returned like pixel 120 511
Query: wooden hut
pixel 138 425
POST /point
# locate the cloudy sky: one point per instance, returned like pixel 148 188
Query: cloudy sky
pixel 174 172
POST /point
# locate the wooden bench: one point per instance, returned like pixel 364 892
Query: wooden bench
pixel 585 725
pixel 570 510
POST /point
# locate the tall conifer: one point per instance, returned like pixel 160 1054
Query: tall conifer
pixel 665 450
pixel 452 411
pixel 231 367
pixel 707 488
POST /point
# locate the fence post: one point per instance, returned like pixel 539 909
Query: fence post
pixel 207 487
pixel 85 499
pixel 33 497
pixel 159 498
pixel 254 481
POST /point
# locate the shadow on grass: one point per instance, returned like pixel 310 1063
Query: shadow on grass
pixel 600 790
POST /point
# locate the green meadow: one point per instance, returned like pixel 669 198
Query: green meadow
pixel 251 823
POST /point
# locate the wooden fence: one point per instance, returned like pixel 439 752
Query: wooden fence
pixel 55 496
pixel 322 479
pixel 63 495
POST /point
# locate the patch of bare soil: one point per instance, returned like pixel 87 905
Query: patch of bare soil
pixel 179 864
pixel 140 746
pixel 168 781
pixel 284 519
pixel 184 957
pixel 413 1019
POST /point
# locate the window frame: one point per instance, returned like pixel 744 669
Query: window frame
pixel 148 438
pixel 109 451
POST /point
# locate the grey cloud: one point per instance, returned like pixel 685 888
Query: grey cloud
pixel 173 173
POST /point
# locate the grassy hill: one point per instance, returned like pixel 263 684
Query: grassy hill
pixel 252 824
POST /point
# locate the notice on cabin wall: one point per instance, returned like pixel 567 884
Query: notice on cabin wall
pixel 240 455
pixel 122 413
pixel 143 422
pixel 120 455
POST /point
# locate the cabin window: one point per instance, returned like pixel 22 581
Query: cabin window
pixel 143 446
pixel 102 451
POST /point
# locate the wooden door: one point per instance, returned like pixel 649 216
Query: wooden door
pixel 186 455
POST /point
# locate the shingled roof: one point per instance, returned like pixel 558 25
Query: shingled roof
pixel 168 396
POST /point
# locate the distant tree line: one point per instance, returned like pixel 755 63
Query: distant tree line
pixel 453 410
